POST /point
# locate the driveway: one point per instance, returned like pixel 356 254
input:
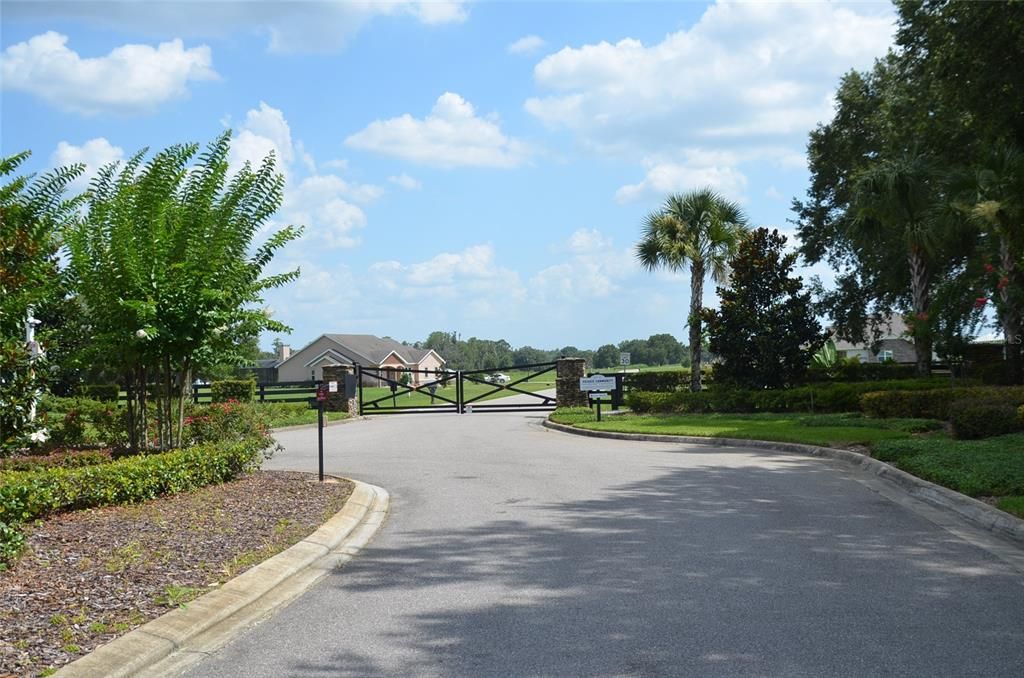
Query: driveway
pixel 512 550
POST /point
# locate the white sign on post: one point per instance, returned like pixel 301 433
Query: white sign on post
pixel 332 386
pixel 597 383
pixel 624 358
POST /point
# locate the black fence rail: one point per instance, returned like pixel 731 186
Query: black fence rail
pixel 384 390
pixel 529 401
pixel 277 392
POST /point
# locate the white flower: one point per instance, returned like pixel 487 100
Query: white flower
pixel 141 334
pixel 40 436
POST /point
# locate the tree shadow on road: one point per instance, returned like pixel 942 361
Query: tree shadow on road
pixel 717 570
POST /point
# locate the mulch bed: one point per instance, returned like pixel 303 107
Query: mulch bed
pixel 87 577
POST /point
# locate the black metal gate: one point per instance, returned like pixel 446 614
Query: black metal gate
pixel 394 390
pixel 528 401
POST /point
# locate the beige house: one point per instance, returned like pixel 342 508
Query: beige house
pixel 363 349
pixel 894 345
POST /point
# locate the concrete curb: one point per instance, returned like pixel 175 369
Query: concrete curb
pixel 174 641
pixel 977 512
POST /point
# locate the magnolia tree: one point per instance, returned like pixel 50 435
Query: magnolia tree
pixel 166 262
pixel 32 213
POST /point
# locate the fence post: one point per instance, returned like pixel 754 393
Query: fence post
pixel 568 372
pixel 195 394
pixel 263 392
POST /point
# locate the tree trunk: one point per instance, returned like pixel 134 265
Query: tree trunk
pixel 919 292
pixel 1010 313
pixel 696 304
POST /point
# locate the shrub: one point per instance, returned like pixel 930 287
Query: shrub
pixel 934 403
pixel 973 419
pixel 107 393
pixel 242 390
pixel 29 495
pixel 658 382
pixel 852 370
pixel 824 397
pixel 224 422
pixel 65 459
pixel 73 422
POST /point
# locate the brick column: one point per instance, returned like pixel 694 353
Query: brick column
pixel 337 402
pixel 568 372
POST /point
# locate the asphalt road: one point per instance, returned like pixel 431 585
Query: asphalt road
pixel 512 550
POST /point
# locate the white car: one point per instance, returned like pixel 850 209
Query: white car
pixel 500 378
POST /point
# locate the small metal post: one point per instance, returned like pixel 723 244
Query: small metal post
pixel 599 410
pixel 320 435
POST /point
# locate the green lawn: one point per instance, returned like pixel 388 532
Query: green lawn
pixel 992 467
pixel 807 429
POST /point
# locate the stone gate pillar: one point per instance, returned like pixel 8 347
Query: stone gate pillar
pixel 339 402
pixel 568 372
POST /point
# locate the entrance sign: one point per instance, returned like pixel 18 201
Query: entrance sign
pixel 597 383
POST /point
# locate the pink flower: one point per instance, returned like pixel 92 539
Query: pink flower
pixel 980 302
pixel 989 268
pixel 1003 283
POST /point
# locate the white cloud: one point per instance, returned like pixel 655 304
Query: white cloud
pixel 526 45
pixel 316 26
pixel 318 203
pixel 672 177
pixel 130 79
pixel 472 276
pixel 452 135
pixel 323 203
pixel 94 154
pixel 594 269
pixel 405 181
pixel 745 71
pixel 440 12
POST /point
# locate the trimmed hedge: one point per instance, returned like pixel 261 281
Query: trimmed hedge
pixel 973 419
pixel 657 382
pixel 105 393
pixel 857 371
pixel 934 403
pixel 825 397
pixel 27 495
pixel 242 390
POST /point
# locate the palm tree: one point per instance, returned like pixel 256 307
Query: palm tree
pixel 896 201
pixel 701 229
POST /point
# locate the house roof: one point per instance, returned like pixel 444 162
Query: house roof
pixel 365 349
pixel 892 327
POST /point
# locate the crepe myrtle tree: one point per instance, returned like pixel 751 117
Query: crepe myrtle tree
pixel 32 213
pixel 699 229
pixel 166 262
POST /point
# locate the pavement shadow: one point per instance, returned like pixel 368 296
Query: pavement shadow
pixel 708 571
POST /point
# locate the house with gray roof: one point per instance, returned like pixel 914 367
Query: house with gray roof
pixel 359 349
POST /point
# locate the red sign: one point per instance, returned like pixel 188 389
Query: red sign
pixel 321 394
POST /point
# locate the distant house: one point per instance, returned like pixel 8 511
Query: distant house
pixel 363 349
pixel 894 345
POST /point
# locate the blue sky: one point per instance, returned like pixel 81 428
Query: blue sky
pixel 480 167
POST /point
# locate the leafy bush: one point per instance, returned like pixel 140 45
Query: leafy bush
pixel 934 403
pixel 824 397
pixel 73 422
pixel 223 422
pixel 973 419
pixel 242 390
pixel 853 370
pixel 658 382
pixel 107 393
pixel 29 495
pixel 64 459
